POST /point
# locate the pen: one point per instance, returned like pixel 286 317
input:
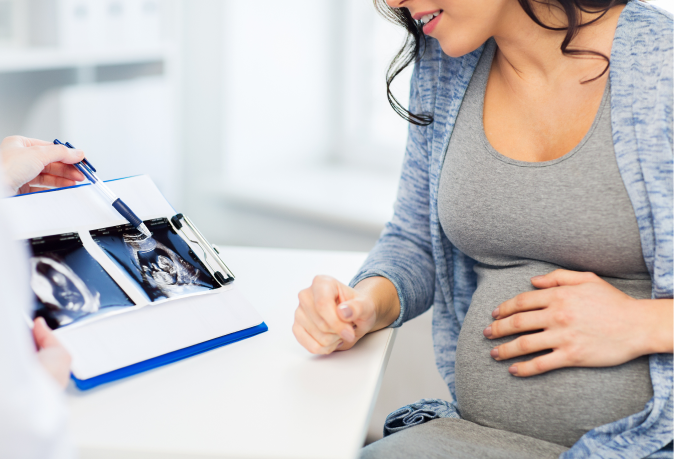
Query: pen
pixel 88 171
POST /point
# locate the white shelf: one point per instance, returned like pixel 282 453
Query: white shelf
pixel 23 60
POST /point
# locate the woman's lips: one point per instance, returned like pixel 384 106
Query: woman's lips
pixel 431 25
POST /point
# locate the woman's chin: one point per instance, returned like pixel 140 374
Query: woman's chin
pixel 457 47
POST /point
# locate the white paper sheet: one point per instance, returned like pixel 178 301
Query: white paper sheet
pixel 82 208
pixel 133 336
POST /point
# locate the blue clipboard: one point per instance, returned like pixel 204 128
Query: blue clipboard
pixel 165 359
pixel 84 384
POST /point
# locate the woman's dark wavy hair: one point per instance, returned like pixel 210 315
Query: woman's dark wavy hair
pixel 414 46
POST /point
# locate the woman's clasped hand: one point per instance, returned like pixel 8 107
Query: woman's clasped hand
pixel 584 320
pixel 333 316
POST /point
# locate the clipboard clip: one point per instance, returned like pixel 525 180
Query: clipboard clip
pixel 223 275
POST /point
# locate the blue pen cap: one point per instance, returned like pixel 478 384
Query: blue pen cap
pixel 69 145
pixel 84 160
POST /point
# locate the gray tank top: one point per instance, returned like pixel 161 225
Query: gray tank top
pixel 521 219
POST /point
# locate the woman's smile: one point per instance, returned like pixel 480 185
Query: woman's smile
pixel 428 20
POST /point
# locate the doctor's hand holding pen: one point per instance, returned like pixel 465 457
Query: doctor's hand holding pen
pixel 332 316
pixel 31 165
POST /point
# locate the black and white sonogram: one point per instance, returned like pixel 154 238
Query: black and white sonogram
pixel 68 283
pixel 163 265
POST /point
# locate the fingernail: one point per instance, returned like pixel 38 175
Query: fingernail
pixel 340 343
pixel 494 313
pixel 347 334
pixel 345 311
pixel 494 353
pixel 513 369
pixel 537 277
pixel 487 331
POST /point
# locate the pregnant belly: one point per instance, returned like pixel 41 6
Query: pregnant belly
pixel 559 406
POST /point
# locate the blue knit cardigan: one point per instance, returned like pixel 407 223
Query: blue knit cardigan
pixel 427 269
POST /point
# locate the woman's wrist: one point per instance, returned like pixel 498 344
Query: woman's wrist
pixel 384 297
pixel 656 326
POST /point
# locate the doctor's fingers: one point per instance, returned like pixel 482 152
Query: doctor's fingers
pixel 48 154
pixel 43 336
pixel 30 142
pixel 67 171
pixel 19 141
pixel 51 353
pixel 327 342
pixel 51 181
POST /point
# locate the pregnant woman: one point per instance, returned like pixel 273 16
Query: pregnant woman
pixel 535 215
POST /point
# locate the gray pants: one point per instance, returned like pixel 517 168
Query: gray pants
pixel 456 438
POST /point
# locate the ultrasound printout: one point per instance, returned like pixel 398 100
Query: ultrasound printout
pixel 68 283
pixel 163 265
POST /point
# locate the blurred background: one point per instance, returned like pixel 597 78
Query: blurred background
pixel 272 132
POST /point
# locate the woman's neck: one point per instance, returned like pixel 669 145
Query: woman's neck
pixel 530 53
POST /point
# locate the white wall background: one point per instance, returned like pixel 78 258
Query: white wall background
pixel 279 84
pixel 117 124
pixel 668 5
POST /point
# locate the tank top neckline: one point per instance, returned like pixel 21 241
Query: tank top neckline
pixel 485 67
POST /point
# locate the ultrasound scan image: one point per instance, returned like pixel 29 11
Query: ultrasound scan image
pixel 163 265
pixel 68 283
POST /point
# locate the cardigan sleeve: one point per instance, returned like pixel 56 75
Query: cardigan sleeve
pixel 403 253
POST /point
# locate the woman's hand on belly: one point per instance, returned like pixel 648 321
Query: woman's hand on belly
pixel 584 320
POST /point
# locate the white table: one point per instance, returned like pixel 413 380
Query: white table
pixel 264 397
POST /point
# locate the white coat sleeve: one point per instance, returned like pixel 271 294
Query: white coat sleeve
pixel 33 414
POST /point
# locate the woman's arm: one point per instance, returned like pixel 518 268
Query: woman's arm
pixel 655 319
pixel 383 295
pixel 585 321
pixel 403 253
